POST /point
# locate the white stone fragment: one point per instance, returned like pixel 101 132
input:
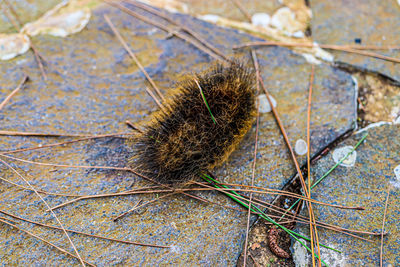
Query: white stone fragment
pixel 210 18
pixel 298 34
pixel 300 255
pixel 264 104
pixel 397 172
pixel 373 125
pixel 311 59
pixel 341 152
pixel 300 147
pixel 397 121
pixel 64 19
pixel 12 45
pixel 260 19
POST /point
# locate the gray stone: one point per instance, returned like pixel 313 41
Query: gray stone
pixel 374 22
pixel 365 184
pixel 93 87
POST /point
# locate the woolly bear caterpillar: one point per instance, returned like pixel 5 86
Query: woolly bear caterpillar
pixel 199 126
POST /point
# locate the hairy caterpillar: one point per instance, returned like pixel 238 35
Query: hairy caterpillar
pixel 199 126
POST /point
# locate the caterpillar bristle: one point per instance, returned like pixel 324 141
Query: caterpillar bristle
pixel 187 138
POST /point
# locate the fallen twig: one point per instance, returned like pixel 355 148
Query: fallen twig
pixel 133 56
pixel 24 80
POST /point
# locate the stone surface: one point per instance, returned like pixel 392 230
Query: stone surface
pixel 93 87
pixel 374 22
pixel 365 184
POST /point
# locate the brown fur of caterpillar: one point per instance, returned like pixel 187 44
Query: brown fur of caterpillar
pixel 182 141
pixel 273 238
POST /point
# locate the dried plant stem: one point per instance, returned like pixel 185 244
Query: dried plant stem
pixel 383 227
pixel 83 233
pixel 130 124
pixel 135 207
pixel 265 191
pixel 133 56
pixel 181 26
pixel 45 241
pixel 16 133
pixel 313 228
pixel 244 12
pixel 17 22
pixel 307 193
pixel 167 29
pixel 47 205
pixel 5 101
pixel 118 135
pixel 332 47
pixel 253 170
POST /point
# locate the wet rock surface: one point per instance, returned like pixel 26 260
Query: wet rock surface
pixel 364 184
pixel 367 22
pixel 93 87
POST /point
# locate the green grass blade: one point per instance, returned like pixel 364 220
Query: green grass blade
pixel 205 102
pixel 330 170
pixel 263 215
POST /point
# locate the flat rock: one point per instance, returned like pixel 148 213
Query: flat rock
pixel 93 87
pixel 365 184
pixel 373 22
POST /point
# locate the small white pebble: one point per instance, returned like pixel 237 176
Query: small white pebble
pixel 210 18
pixel 397 121
pixel 300 147
pixel 264 104
pixel 341 152
pixel 298 34
pixel 260 19
pixel 397 172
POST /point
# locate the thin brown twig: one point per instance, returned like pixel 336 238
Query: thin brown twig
pixel 326 46
pixel 133 56
pixel 242 9
pixel 144 204
pixel 40 191
pixel 383 227
pixel 52 212
pixel 269 191
pixel 253 170
pixel 192 196
pixel 332 47
pixel 265 190
pixel 17 22
pixel 23 81
pixel 130 124
pixel 312 226
pixel 133 208
pixel 181 26
pixel 16 133
pixel 45 241
pixel 283 131
pixel 61 143
pixel 38 59
pixel 254 260
pixel 83 233
pixel 167 29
